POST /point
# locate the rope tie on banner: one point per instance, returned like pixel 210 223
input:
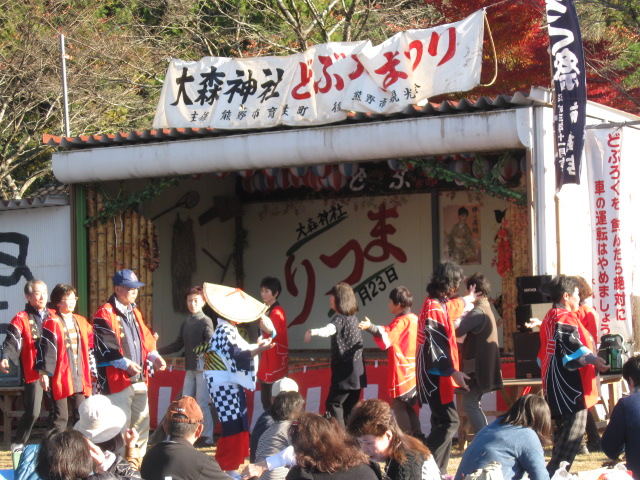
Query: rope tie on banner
pixel 493 47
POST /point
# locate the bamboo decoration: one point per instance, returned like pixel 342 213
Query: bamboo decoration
pixel 124 241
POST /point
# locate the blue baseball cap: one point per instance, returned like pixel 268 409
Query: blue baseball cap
pixel 126 278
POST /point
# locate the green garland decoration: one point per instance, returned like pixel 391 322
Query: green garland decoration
pixel 489 183
pixel 125 201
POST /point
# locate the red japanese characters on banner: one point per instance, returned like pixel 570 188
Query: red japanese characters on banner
pixel 611 236
pixel 322 84
pixel 378 248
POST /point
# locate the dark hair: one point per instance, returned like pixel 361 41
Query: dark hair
pixel 481 282
pixel 631 370
pixel 374 417
pixel 179 429
pixel 28 287
pixel 345 299
pixel 195 290
pixel 286 406
pixel 322 444
pixel 463 211
pixel 64 455
pixel 401 296
pixel 113 444
pixel 59 292
pixel 530 411
pixel 584 289
pixel 560 285
pixel 273 284
pixel 445 280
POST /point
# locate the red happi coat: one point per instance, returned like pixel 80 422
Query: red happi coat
pixel 437 348
pixel 53 356
pixel 399 339
pixel 274 363
pixel 568 387
pixel 21 342
pixel 589 318
pixel 108 347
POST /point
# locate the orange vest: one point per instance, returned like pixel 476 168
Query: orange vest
pixel 28 351
pixel 399 339
pixel 118 379
pixel 274 363
pixel 61 381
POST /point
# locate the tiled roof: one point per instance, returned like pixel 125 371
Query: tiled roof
pixel 447 107
pixel 54 195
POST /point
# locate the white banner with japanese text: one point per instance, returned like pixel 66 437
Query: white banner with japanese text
pixel 610 192
pixel 322 84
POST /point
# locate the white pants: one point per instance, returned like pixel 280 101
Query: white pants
pixel 134 402
pixel 196 387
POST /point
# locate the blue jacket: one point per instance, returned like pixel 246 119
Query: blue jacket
pixel 27 466
pixel 623 432
pixel 517 449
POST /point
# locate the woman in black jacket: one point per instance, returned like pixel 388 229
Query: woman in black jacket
pixel 324 451
pixel 406 458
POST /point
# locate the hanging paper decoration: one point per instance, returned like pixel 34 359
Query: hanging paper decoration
pixel 321 171
pixel 283 179
pixel 336 180
pixel 348 170
pixel 247 185
pixel 298 171
pixel 245 173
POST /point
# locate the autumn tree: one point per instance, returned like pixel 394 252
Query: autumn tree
pixel 118 53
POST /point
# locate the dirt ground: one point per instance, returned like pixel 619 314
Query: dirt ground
pixel 591 461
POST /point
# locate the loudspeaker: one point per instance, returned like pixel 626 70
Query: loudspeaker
pixel 532 289
pixel 526 347
pixel 523 315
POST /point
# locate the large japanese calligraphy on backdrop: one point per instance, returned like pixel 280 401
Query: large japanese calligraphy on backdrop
pixel 610 190
pixel 569 79
pixel 321 84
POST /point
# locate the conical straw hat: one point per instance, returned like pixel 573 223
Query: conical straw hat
pixel 233 303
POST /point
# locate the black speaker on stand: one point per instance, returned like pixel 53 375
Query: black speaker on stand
pixel 525 348
pixel 526 344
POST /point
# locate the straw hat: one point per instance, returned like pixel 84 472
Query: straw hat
pixel 232 303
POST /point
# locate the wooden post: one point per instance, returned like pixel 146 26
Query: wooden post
pixel 93 254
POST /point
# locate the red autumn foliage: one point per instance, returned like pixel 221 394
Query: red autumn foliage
pixel 521 41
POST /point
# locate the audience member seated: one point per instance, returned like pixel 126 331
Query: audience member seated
pixel 68 455
pixel 285 407
pixel 623 431
pixel 265 420
pixel 176 457
pixel 374 426
pixel 101 423
pixel 514 440
pixel 323 450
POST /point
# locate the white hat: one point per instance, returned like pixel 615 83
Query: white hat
pixel 100 420
pixel 233 303
pixel 285 384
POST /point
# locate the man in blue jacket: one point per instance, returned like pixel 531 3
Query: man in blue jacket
pixel 623 431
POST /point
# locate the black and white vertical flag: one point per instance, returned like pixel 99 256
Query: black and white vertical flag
pixel 569 79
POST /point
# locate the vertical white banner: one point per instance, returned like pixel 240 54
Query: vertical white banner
pixel 610 186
